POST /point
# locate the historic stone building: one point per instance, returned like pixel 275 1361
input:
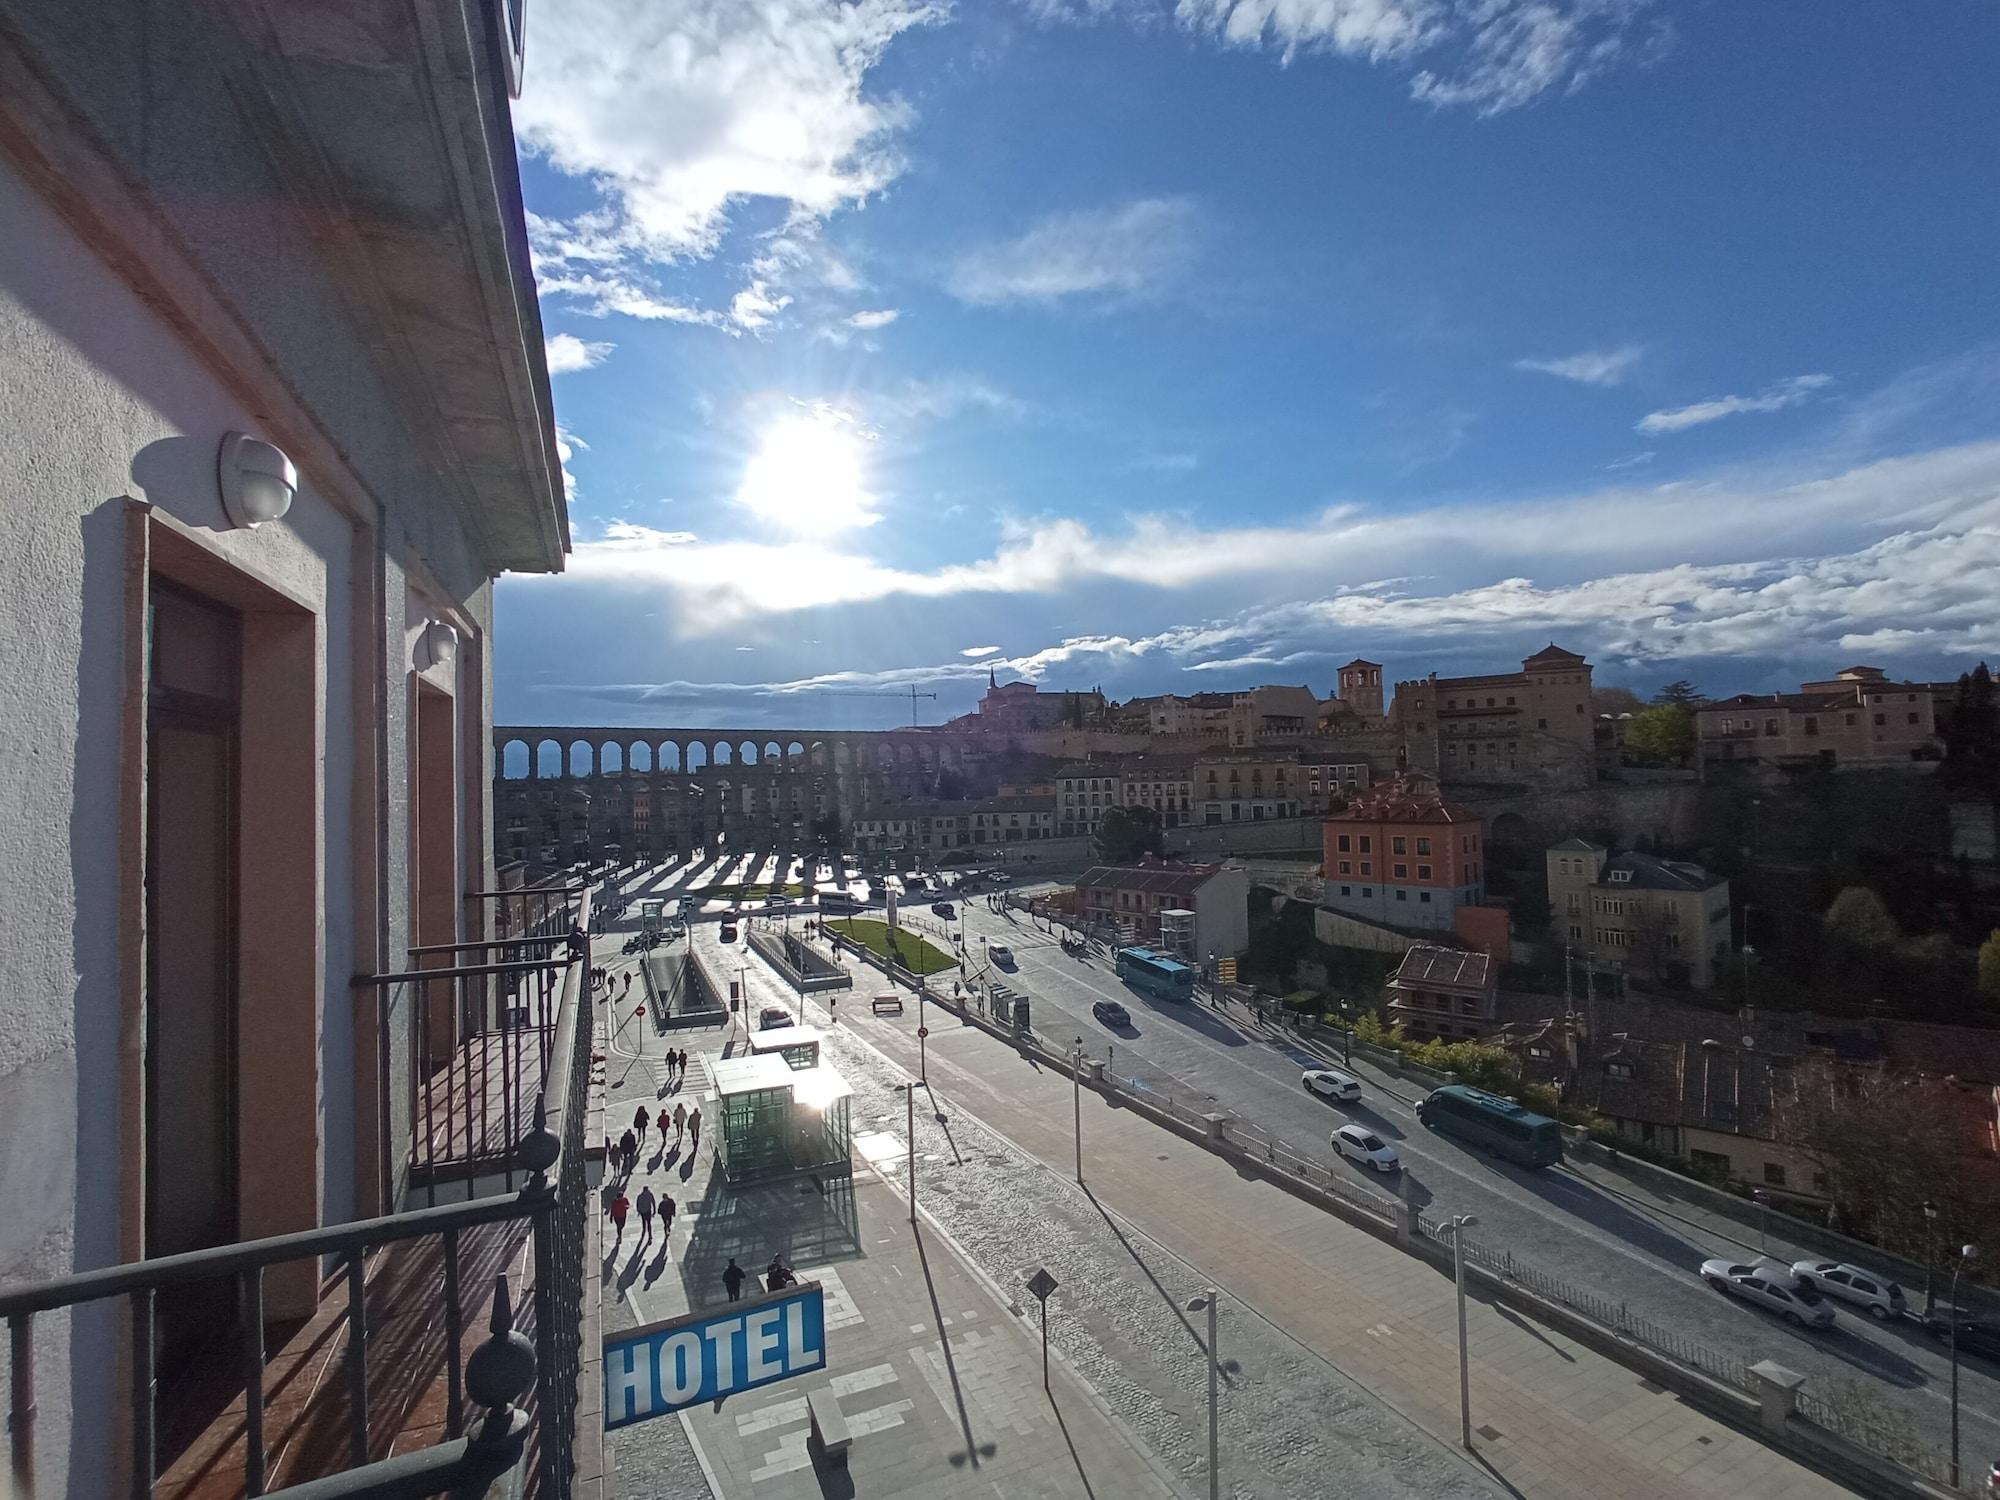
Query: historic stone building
pixel 1535 726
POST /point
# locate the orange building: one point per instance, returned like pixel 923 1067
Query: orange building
pixel 1403 855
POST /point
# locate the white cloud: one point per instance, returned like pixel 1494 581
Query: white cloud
pixel 677 114
pixel 568 445
pixel 1796 391
pixel 1591 367
pixel 881 318
pixel 1134 251
pixel 566 352
pixel 979 651
pixel 1633 460
pixel 756 305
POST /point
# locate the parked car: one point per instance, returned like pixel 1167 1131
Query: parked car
pixel 771 1017
pixel 1331 1083
pixel 942 909
pixel 1111 1013
pixel 1877 1295
pixel 1358 1143
pixel 1001 954
pixel 1772 1287
pixel 1975 1335
pixel 728 933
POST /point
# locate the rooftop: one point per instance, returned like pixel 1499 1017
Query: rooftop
pixel 1406 799
pixel 1182 880
pixel 1428 967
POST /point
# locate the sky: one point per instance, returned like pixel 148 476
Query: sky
pixel 1178 347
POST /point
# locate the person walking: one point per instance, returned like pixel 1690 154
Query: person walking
pixel 732 1279
pixel 646 1203
pixel 694 1126
pixel 667 1207
pixel 628 1151
pixel 639 1123
pixel 619 1208
pixel 680 1121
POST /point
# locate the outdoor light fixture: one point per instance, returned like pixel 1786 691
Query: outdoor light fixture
pixel 256 478
pixel 437 646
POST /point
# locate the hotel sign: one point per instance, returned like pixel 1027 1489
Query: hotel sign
pixel 703 1356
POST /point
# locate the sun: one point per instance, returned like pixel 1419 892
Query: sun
pixel 808 477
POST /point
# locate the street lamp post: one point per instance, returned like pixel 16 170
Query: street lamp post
pixel 1763 1201
pixel 1965 1253
pixel 1456 1226
pixel 1076 1100
pixel 1208 1300
pixel 910 1126
pixel 1930 1257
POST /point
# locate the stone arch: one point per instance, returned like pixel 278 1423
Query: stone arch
pixel 516 760
pixel 582 758
pixel 639 757
pixel 548 758
pixel 746 753
pixel 694 756
pixel 611 758
pixel 795 756
pixel 724 753
pixel 671 757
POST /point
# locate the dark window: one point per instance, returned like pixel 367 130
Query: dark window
pixel 1423 872
pixel 1402 872
pixel 1541 723
pixel 1344 839
pixel 1423 846
pixel 1881 719
pixel 1774 1174
pixel 1424 897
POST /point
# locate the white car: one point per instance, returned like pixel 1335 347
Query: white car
pixel 1331 1083
pixel 1865 1289
pixel 1358 1143
pixel 1000 953
pixel 1771 1286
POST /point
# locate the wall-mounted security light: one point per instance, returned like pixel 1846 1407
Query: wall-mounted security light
pixel 437 646
pixel 257 480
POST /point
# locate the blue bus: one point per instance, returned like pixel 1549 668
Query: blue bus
pixel 1498 1125
pixel 1155 974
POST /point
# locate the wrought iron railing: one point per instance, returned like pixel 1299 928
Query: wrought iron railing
pixel 549 1152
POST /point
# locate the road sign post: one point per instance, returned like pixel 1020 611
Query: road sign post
pixel 1041 1284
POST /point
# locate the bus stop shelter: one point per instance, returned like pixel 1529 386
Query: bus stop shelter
pixel 797 1045
pixel 776 1118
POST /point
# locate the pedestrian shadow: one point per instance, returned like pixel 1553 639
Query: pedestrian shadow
pixel 659 1265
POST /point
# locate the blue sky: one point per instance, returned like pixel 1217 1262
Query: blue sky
pixel 1108 342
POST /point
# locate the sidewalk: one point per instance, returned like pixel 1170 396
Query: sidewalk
pixel 939 1382
pixel 1552 1417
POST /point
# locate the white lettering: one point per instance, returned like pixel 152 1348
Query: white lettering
pixel 763 1336
pixel 680 1367
pixel 628 1379
pixel 797 1355
pixel 722 1339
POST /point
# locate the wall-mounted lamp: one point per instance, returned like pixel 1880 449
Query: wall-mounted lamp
pixel 437 646
pixel 257 480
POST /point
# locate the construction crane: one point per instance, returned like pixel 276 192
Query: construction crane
pixel 913 695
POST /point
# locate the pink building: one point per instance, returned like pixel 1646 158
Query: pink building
pixel 1857 718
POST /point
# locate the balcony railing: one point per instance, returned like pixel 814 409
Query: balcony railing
pixel 388 1281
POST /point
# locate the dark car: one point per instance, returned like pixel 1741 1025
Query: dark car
pixel 1975 1335
pixel 942 909
pixel 1111 1013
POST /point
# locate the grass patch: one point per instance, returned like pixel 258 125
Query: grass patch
pixel 906 948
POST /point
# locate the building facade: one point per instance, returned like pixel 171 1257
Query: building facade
pixel 276 415
pixel 1443 993
pixel 1163 783
pixel 1664 919
pixel 1857 718
pixel 1246 787
pixel 1085 792
pixel 1330 781
pixel 1403 855
pixel 1132 899
pixel 954 825
pixel 1536 725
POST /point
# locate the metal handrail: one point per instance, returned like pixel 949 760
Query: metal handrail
pixel 466 971
pixel 517 942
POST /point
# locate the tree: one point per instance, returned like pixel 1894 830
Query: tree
pixel 1680 694
pixel 1860 919
pixel 1616 700
pixel 827 826
pixel 1663 733
pixel 1126 833
pixel 1989 967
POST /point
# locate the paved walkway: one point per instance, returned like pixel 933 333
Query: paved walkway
pixel 939 1380
pixel 1552 1417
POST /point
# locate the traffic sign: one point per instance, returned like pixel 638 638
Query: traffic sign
pixel 923 1031
pixel 1041 1284
pixel 640 1011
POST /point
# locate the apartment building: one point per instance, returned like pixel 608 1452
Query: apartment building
pixel 1164 783
pixel 1085 792
pixel 1444 993
pixel 277 415
pixel 1859 717
pixel 1247 787
pixel 954 825
pixel 1273 716
pixel 1665 919
pixel 1133 898
pixel 1403 855
pixel 1328 781
pixel 1535 725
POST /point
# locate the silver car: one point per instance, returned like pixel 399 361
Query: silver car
pixel 1358 1143
pixel 1771 1286
pixel 1880 1296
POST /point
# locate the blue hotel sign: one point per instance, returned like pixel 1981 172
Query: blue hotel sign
pixel 704 1356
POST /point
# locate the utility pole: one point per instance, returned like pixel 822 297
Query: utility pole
pixel 1209 1299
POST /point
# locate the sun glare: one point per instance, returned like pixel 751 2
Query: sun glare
pixel 806 476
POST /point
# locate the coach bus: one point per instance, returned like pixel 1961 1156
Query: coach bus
pixel 1155 974
pixel 1495 1124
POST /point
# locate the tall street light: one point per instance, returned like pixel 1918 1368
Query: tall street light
pixel 1966 1253
pixel 1076 1099
pixel 1208 1300
pixel 1456 1227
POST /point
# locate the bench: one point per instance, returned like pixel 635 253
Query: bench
pixel 885 1005
pixel 829 1427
